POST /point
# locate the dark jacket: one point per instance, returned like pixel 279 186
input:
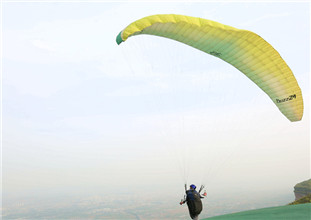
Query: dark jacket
pixel 194 202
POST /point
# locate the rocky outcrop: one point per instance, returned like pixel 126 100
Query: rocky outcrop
pixel 302 189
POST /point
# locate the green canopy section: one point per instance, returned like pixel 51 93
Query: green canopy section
pixel 289 212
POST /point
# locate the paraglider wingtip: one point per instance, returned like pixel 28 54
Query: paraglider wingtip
pixel 119 39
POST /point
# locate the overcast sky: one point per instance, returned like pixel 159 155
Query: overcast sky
pixel 81 112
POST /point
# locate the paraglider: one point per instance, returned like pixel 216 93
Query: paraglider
pixel 243 49
pixel 193 200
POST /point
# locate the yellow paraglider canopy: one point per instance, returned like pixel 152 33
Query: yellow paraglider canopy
pixel 243 49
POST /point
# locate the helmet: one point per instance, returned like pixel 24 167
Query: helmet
pixel 193 186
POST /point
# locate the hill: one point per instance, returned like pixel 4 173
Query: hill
pixel 302 189
pixel 289 212
pixel 305 199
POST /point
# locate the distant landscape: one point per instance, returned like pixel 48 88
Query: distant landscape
pixel 143 204
pixel 126 206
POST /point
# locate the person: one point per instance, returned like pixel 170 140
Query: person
pixel 194 203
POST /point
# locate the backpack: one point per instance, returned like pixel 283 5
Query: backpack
pixel 194 203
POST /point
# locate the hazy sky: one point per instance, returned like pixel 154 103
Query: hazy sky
pixel 81 113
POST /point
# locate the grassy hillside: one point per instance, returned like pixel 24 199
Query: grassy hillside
pixel 306 199
pixel 289 212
